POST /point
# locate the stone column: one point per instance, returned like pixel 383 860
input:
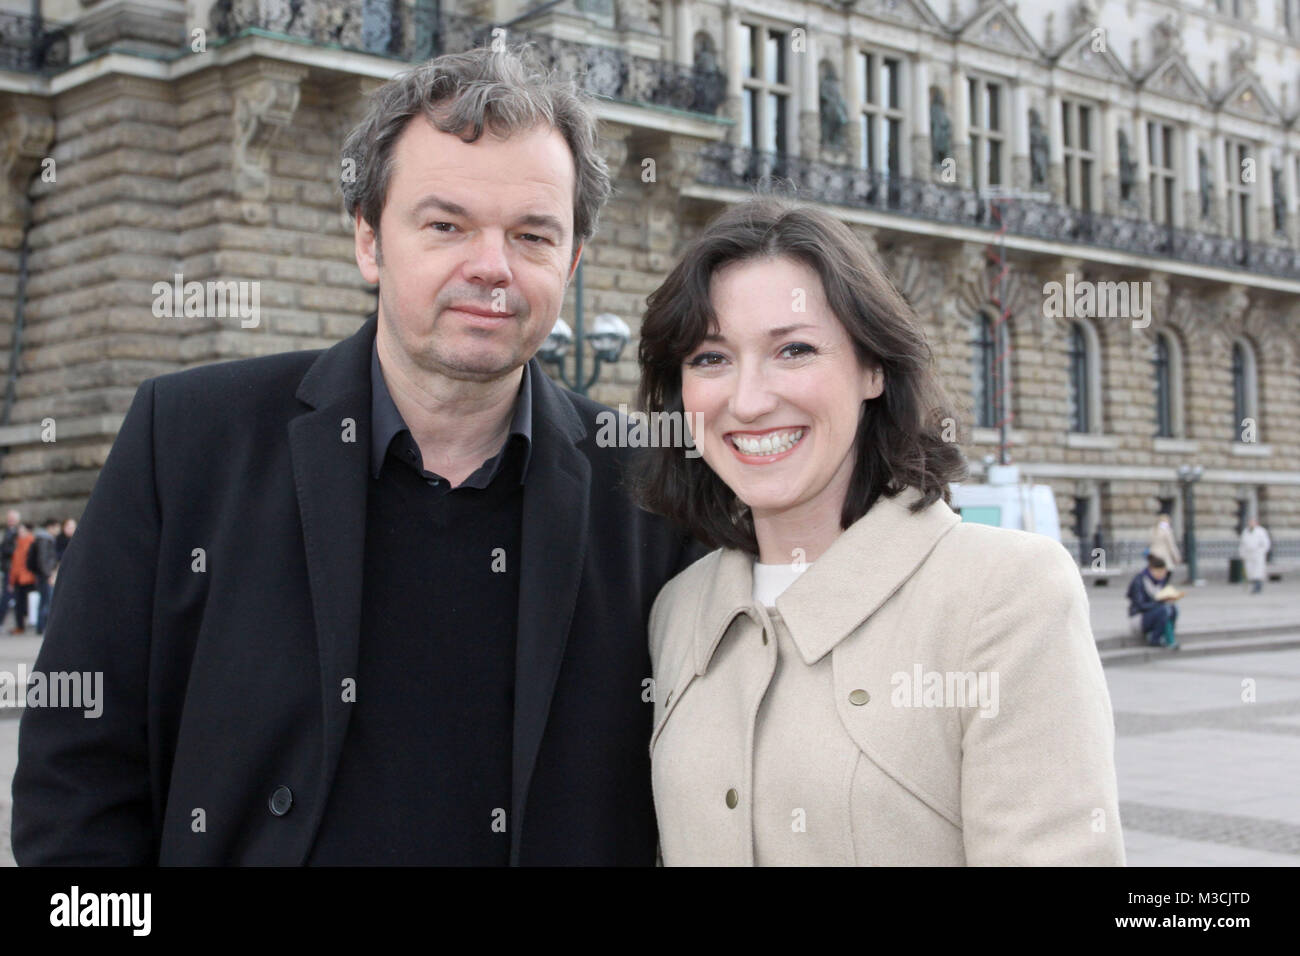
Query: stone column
pixel 1108 147
pixel 853 93
pixel 1142 155
pixel 1289 180
pixel 1018 140
pixel 683 32
pixel 959 113
pixel 1190 174
pixel 731 40
pixel 919 116
pixel 807 98
pixel 1056 146
pixel 1219 176
pixel 1263 212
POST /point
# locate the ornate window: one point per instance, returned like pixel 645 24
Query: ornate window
pixel 987 131
pixel 880 78
pixel 1163 177
pixel 766 91
pixel 1078 147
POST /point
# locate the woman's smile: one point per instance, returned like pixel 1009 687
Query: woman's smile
pixel 764 447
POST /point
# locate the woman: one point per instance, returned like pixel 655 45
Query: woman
pixel 1163 543
pixel 854 676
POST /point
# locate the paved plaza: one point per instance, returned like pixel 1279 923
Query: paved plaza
pixel 1208 752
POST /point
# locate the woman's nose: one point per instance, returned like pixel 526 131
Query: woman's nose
pixel 752 396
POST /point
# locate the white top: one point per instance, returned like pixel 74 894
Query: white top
pixel 770 580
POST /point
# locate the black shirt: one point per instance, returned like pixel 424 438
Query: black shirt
pixel 425 772
pixel 386 424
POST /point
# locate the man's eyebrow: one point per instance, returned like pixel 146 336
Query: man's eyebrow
pixel 437 202
pixel 542 219
pixel 771 333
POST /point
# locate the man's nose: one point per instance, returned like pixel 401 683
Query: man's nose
pixel 487 262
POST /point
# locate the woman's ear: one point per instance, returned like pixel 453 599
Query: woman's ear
pixel 874 382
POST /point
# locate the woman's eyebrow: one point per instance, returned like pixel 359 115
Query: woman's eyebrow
pixel 771 333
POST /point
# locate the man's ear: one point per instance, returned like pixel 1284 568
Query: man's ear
pixel 366 243
pixel 573 266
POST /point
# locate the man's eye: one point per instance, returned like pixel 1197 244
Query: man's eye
pixel 435 225
pixel 537 237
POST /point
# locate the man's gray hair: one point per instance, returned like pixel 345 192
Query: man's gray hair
pixel 507 92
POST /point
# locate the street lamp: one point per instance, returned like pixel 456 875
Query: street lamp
pixel 608 336
pixel 1188 476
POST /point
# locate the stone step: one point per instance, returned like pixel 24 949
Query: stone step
pixel 1237 645
pixel 1113 642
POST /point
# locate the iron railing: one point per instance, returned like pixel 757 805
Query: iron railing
pixel 27 46
pixel 739 167
pixel 415 32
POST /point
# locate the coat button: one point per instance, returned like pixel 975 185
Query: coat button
pixel 859 697
pixel 281 800
pixel 733 798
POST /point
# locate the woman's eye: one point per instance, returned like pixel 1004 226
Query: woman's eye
pixel 705 359
pixel 796 349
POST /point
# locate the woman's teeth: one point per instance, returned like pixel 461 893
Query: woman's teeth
pixel 773 444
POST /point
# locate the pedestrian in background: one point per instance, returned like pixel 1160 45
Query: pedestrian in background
pixel 1163 544
pixel 1148 611
pixel 7 545
pixel 65 536
pixel 1253 550
pixel 21 579
pixel 42 563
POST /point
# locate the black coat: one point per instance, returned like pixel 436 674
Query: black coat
pixel 222 686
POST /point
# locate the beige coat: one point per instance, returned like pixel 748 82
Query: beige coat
pixel 1165 545
pixel 817 734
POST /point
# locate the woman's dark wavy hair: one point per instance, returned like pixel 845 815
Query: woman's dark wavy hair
pixel 899 439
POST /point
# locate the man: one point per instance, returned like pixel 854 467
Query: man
pixel 1253 550
pixel 7 545
pixel 1153 616
pixel 436 652
pixel 43 560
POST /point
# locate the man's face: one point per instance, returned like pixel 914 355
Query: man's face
pixel 486 226
pixel 12 519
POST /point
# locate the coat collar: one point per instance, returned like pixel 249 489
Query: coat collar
pixel 838 591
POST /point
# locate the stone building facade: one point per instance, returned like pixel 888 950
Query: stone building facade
pixel 1145 150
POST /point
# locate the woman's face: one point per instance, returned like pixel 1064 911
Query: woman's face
pixel 779 389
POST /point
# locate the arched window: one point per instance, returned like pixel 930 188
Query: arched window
pixel 1167 377
pixel 1079 380
pixel 1245 403
pixel 1164 395
pixel 983 372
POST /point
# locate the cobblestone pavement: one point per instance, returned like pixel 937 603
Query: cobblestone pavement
pixel 1205 776
pixel 1208 755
